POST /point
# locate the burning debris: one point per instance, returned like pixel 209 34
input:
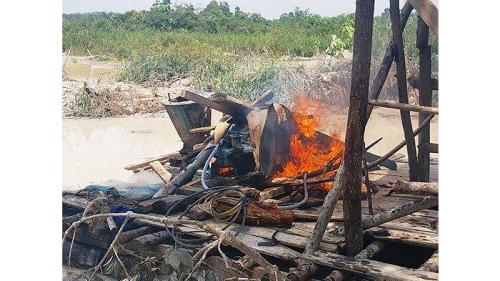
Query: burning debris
pixel 263 165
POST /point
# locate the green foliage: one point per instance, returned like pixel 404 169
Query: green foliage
pixel 230 50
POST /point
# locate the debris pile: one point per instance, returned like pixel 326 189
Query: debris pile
pixel 239 192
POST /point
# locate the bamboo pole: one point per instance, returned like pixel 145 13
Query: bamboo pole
pixel 397 37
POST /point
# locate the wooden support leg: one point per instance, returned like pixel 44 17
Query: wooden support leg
pixel 381 76
pixel 402 89
pixel 348 178
pixel 424 98
pixel 354 144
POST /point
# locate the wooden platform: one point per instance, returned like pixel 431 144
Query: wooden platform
pixel 418 229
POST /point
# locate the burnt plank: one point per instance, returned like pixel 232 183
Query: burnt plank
pixel 224 105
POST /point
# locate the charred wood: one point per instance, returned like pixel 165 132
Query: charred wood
pixel 381 76
pixel 397 37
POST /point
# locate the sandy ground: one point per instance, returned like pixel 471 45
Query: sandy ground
pixel 96 150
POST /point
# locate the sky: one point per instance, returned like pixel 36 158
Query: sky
pixel 268 9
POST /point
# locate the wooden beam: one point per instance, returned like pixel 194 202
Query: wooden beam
pixel 224 105
pixel 373 269
pixel 397 38
pixel 379 79
pixel 428 12
pixel 431 147
pixel 414 83
pixel 405 106
pixel 164 175
pixel 369 252
pixel 264 98
pixel 419 188
pixel 202 129
pixel 145 164
pixel 424 98
pixel 399 212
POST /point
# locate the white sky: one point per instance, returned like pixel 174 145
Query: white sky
pixel 267 8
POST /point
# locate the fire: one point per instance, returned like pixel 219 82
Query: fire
pixel 308 152
pixel 225 170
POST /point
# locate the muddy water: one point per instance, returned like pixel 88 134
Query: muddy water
pixel 96 150
pixel 85 68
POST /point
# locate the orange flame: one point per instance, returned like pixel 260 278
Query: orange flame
pixel 225 170
pixel 308 152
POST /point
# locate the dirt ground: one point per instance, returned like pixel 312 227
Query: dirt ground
pixel 96 150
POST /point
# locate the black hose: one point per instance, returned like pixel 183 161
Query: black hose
pixel 303 201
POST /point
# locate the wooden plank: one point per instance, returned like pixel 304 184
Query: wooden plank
pixel 405 106
pixel 432 264
pixel 278 250
pixel 161 171
pixel 373 269
pixel 226 106
pixel 264 98
pixel 428 12
pixel 162 159
pixel 202 129
pixel 290 237
pixel 75 201
pixel 411 238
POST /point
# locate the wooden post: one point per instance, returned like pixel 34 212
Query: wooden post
pixel 402 89
pixel 349 173
pixel 354 143
pixel 424 98
pixel 379 80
